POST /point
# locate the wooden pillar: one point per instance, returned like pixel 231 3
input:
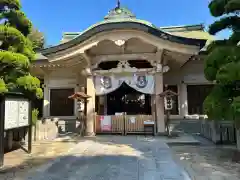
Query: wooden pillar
pixel 159 103
pixel 90 90
pixel 183 100
pixel 46 97
pixel 153 108
pixel 105 104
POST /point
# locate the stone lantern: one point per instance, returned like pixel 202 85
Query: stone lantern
pixel 81 98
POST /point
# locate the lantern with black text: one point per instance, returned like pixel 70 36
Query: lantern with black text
pixel 168 103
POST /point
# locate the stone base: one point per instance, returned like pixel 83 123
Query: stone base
pixel 90 134
pixel 173 134
pixel 236 157
pixel 178 139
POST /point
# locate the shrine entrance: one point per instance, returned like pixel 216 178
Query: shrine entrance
pixel 128 100
pixel 123 111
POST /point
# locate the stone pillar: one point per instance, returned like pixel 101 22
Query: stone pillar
pixel 159 103
pixel 183 100
pixel 90 131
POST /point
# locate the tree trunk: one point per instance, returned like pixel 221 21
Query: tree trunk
pixel 35 132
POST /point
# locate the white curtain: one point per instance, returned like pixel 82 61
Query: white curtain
pixel 108 84
pixel 141 83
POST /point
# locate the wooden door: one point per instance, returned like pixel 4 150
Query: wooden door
pixel 60 104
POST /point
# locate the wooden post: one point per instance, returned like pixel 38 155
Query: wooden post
pixel 124 124
pixel 168 121
pixel 2 110
pixel 30 128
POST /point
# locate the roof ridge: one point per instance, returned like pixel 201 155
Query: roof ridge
pixel 182 26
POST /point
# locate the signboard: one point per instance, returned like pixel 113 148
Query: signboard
pixel 148 123
pixel 106 123
pixel 16 113
pixel 132 119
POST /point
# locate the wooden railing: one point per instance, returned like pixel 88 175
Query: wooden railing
pixel 124 124
pixel 135 124
pixel 117 124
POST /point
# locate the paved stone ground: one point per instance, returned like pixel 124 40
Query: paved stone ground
pixel 17 163
pixel 114 157
pixel 208 162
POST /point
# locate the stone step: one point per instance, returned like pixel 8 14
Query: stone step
pixel 186 126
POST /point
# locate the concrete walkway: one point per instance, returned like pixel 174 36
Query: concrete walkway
pixel 114 158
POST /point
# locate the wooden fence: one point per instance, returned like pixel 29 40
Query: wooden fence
pixel 124 124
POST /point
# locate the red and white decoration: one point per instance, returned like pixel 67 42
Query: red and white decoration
pixel 106 123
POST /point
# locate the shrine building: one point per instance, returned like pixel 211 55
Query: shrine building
pixel 123 64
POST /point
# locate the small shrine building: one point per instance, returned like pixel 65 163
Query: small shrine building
pixel 123 63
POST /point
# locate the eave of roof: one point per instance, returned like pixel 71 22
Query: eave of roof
pixel 182 28
pixel 39 56
pixel 125 23
pixel 194 27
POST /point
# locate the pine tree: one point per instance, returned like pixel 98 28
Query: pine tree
pixel 16 51
pixel 37 39
pixel 222 64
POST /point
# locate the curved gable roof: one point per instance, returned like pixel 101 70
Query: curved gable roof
pixel 122 18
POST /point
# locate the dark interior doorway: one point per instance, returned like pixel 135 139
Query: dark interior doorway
pixel 196 96
pixel 127 99
pixel 60 104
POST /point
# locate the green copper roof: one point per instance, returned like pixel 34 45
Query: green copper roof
pixel 123 18
pixel 120 20
pixel 119 12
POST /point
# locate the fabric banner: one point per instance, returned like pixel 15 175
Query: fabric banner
pixel 106 124
pixel 108 84
pixel 141 83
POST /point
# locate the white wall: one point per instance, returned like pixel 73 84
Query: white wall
pixel 191 73
pixel 57 80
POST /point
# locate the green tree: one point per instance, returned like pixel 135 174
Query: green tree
pixel 37 39
pixel 222 64
pixel 16 51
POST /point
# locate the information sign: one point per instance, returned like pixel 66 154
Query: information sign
pixel 16 113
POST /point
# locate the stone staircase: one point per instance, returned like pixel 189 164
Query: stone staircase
pixel 186 126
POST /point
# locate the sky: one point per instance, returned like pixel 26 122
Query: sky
pixel 53 17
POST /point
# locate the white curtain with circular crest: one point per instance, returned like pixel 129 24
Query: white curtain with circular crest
pixel 142 83
pixel 108 84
